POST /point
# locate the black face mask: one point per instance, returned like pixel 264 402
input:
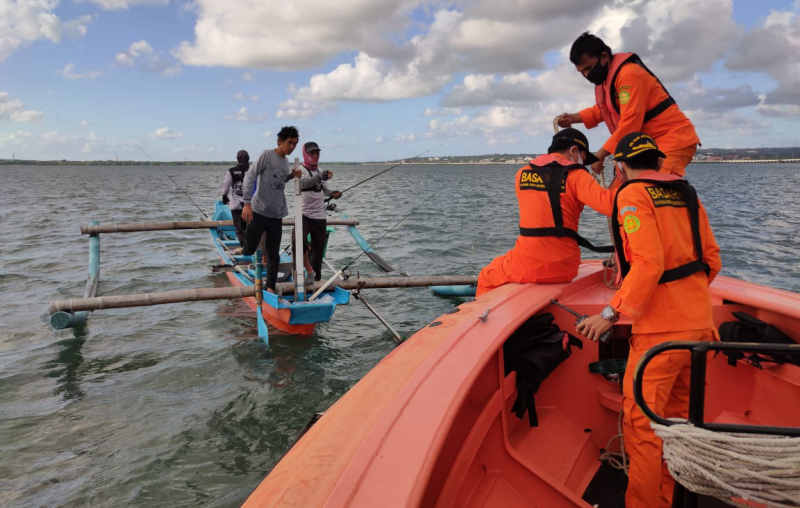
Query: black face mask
pixel 598 73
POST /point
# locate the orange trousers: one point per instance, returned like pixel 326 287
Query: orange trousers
pixel 666 390
pixel 677 160
pixel 513 267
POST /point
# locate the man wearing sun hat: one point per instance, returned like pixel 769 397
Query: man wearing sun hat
pixel 668 257
pixel 314 187
pixel 551 191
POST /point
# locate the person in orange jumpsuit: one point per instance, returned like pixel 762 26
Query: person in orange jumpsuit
pixel 630 98
pixel 551 191
pixel 668 258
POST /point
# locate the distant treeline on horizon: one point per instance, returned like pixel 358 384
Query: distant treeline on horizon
pixel 703 154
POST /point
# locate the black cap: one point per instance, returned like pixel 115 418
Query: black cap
pixel 242 156
pixel 633 144
pixel 565 138
pixel 311 146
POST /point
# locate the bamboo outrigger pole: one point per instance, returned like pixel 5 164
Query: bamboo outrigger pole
pixel 94 229
pixel 191 295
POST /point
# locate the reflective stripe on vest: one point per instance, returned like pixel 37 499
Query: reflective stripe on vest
pixel 690 196
pixel 554 173
pixel 606 94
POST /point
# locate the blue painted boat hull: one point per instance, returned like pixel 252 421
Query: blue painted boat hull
pixel 283 312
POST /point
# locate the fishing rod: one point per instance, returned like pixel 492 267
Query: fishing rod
pixel 341 271
pixel 187 195
pixel 379 173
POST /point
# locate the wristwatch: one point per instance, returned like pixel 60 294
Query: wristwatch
pixel 609 314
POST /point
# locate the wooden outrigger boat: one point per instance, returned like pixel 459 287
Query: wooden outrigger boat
pixel 289 311
pixel 282 312
pixel 432 425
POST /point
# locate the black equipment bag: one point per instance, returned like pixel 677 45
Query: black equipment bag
pixel 749 328
pixel 534 351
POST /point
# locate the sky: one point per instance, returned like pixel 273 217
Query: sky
pixel 373 79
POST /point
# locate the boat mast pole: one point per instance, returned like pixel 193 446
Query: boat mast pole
pixel 299 279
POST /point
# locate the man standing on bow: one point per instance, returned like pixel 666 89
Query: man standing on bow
pixel 630 98
pixel 232 192
pixel 668 257
pixel 314 189
pixel 265 206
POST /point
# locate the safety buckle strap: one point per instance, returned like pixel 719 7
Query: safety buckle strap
pixel 541 232
pixel 565 233
pixel 683 271
pixel 660 108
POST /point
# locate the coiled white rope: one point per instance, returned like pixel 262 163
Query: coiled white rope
pixel 729 466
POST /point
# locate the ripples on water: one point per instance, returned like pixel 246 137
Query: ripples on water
pixel 180 404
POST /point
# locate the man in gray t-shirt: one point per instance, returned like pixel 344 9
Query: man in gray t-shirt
pixel 265 201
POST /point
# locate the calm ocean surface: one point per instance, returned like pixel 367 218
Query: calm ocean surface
pixel 181 405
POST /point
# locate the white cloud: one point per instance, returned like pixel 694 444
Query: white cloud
pixel 84 123
pixel 257 34
pixel 135 51
pixel 405 138
pixel 243 115
pixel 773 48
pixel 23 22
pixel 501 46
pixel 15 138
pixel 297 108
pixel 675 38
pixel 695 96
pixel 247 76
pixel 441 111
pixel 14 110
pixel 240 96
pixel 111 5
pixel 142 55
pixel 166 133
pixel 62 143
pixel 379 139
pixel 779 110
pixel 69 72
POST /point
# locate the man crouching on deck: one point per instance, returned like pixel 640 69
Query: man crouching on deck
pixel 551 192
pixel 668 257
pixel 264 216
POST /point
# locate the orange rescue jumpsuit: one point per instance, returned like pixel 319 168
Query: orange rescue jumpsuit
pixel 637 92
pixel 546 259
pixel 656 234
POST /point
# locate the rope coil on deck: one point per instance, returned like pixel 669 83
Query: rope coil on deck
pixel 760 468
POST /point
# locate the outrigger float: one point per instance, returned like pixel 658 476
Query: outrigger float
pixel 296 308
pixel 433 424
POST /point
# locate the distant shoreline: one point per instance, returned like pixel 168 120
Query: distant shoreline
pixel 10 162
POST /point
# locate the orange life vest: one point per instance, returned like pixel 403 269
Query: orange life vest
pixel 550 177
pixel 681 193
pixel 606 94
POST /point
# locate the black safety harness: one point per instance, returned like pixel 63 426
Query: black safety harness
pixel 237 177
pixel 689 195
pixel 316 188
pixel 658 108
pixel 554 175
